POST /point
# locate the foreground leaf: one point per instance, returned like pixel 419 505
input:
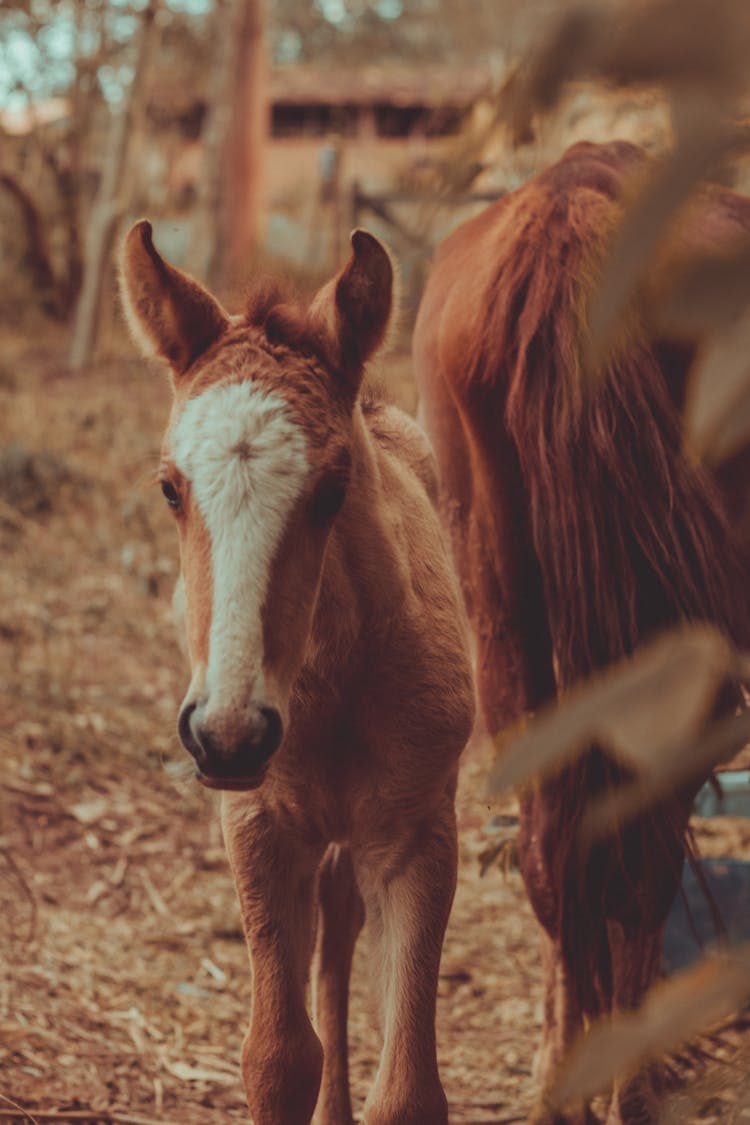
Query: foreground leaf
pixel 638 709
pixel 673 1012
pixel 717 416
pixel 675 43
pixel 676 766
pixel 702 141
pixel 696 51
pixel 707 293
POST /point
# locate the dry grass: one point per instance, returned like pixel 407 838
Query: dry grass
pixel 124 986
pixel 125 990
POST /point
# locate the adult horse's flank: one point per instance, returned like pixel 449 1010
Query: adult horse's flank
pixel 331 690
pixel 578 529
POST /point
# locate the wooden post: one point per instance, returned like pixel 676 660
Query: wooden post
pixel 111 198
pixel 354 204
pixel 246 143
pixel 333 195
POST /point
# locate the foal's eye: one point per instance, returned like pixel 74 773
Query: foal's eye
pixel 171 495
pixel 328 498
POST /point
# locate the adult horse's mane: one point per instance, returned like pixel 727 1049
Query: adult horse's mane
pixel 616 564
pixel 628 536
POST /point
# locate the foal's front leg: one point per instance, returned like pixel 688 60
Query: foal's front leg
pixel 274 874
pixel 408 888
pixel 341 915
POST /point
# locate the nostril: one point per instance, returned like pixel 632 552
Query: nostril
pixel 274 728
pixel 222 752
pixel 185 731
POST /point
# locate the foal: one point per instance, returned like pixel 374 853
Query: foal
pixel 331 690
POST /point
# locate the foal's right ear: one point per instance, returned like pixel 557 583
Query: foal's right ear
pixel 170 315
pixel 353 310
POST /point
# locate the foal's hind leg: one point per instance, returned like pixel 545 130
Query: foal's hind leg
pixel 341 915
pixel 274 873
pixel 408 891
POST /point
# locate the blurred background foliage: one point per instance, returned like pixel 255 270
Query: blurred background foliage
pixel 247 131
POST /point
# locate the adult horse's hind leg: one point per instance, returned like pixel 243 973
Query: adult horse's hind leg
pixel 408 891
pixel 341 915
pixel 274 873
pixel 562 1020
pixel 562 1023
pixel 635 966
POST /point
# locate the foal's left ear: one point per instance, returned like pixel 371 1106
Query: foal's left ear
pixel 169 314
pixel 354 309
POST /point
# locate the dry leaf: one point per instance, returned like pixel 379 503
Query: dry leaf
pixel 88 812
pixel 672 1013
pixel 13 1035
pixel 734 434
pixel 717 414
pixel 214 971
pixel 696 50
pixel 701 145
pixel 155 898
pixel 699 44
pixel 536 85
pixel 187 1073
pixel 676 765
pixel 657 699
pixel 678 43
pixel 709 293
pixel 98 888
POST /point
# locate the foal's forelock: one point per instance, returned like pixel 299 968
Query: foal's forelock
pixel 245 458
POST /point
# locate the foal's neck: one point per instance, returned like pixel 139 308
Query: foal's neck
pixel 364 578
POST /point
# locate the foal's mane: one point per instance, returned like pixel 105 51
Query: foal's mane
pixel 283 316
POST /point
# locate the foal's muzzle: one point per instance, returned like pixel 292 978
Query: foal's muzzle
pixel 230 757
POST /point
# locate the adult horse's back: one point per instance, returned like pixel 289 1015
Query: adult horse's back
pixel 578 529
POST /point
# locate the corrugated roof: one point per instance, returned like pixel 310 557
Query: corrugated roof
pixel 396 84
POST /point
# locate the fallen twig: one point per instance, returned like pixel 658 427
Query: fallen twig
pixel 15 1111
pixel 106 1118
pixel 18 876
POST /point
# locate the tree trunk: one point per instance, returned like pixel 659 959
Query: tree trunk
pixel 37 251
pixel 206 220
pixel 71 279
pixel 111 198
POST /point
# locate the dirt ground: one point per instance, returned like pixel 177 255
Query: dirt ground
pixel 124 982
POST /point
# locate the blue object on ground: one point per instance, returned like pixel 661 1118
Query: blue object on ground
pixel 729 883
pixel 732 799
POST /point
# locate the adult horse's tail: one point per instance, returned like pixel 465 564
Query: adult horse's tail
pixel 629 537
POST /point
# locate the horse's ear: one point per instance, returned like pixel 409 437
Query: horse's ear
pixel 169 314
pixel 354 309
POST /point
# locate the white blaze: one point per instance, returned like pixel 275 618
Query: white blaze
pixel 246 459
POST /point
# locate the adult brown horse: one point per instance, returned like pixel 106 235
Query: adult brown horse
pixel 578 529
pixel 331 690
